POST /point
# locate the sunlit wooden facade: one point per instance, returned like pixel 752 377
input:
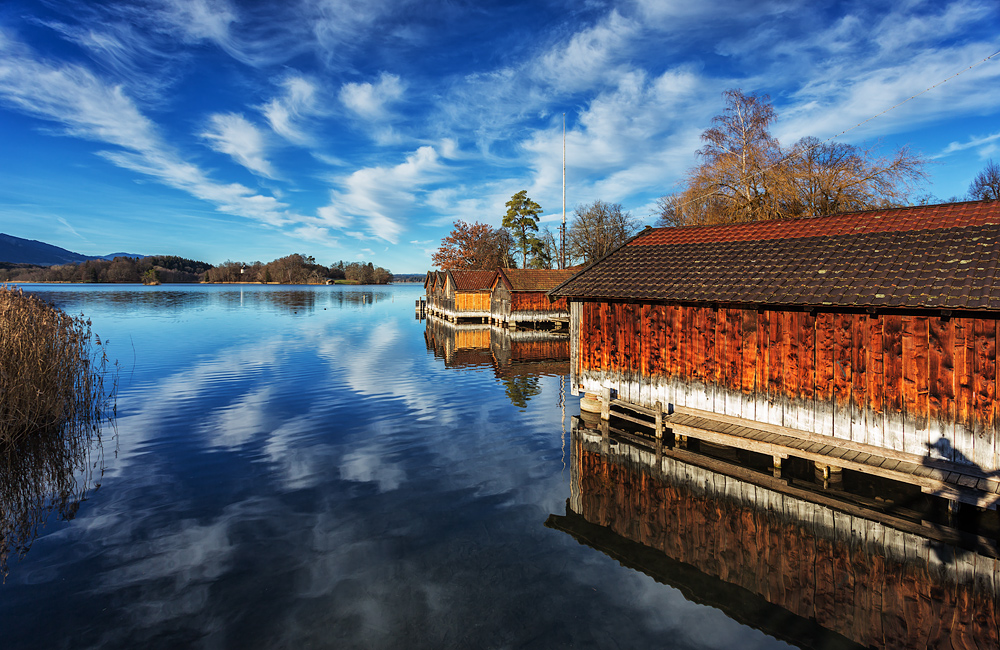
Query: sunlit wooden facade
pixel 877 327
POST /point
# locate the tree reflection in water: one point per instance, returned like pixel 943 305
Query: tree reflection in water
pixel 520 389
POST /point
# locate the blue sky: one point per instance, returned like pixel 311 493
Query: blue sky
pixel 361 129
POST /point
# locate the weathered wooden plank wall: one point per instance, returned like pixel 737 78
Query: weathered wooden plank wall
pixel 905 382
pixel 536 301
pixel 499 301
pixel 472 301
pixel 575 337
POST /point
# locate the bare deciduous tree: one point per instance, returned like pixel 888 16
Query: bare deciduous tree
pixel 745 175
pixel 986 185
pixel 826 178
pixel 544 250
pixel 598 229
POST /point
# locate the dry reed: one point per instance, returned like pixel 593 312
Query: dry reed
pixel 56 393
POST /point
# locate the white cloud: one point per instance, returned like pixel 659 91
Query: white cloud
pixel 371 101
pixel 286 113
pixel 633 138
pixel 340 27
pixel 315 233
pixel 905 28
pixel 839 99
pixel 120 46
pixel 383 196
pixel 233 135
pixel 200 19
pixel 985 144
pixel 589 57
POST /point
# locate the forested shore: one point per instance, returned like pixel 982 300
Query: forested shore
pixel 170 269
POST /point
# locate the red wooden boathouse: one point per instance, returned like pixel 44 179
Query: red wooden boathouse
pixel 520 296
pixel 877 328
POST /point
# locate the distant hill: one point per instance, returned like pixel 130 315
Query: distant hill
pixel 135 256
pixel 28 251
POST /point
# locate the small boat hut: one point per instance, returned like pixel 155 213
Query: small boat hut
pixel 519 297
pixel 852 340
pixel 464 295
pixel 434 290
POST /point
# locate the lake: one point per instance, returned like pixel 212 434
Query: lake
pixel 319 467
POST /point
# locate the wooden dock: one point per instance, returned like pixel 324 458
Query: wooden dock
pixel 966 484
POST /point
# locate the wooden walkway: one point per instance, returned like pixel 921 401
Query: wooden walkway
pixel 959 483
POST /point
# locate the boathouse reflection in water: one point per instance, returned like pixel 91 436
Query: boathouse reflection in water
pixel 517 357
pixel 777 555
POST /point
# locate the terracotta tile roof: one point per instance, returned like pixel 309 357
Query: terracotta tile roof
pixel 944 256
pixel 472 280
pixel 534 279
pixel 929 217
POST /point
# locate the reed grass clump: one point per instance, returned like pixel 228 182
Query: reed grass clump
pixel 56 393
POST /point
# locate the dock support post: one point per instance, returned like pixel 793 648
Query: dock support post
pixel 605 403
pixel 776 466
pixel 658 410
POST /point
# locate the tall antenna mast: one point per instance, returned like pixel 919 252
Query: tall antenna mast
pixel 562 235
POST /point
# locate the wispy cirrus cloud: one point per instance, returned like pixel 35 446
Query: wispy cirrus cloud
pixel 233 135
pixel 70 228
pixel 86 107
pixel 287 112
pixel 382 198
pixel 985 145
pixel 590 58
pixel 113 38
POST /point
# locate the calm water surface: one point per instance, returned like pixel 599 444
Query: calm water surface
pixel 316 467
